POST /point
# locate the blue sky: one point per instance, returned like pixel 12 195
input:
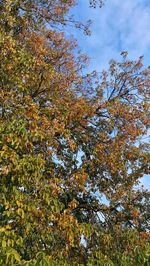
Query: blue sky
pixel 121 25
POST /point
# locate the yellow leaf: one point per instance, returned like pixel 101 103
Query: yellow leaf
pixel 4 243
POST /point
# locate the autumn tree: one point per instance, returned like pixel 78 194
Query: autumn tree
pixel 73 147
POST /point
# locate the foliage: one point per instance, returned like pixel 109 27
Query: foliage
pixel 67 141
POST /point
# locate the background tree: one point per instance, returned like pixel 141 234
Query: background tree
pixel 67 141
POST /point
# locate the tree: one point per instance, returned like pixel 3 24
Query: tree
pixel 52 210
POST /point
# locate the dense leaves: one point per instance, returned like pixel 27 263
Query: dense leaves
pixel 73 147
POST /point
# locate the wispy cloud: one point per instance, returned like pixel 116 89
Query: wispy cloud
pixel 119 25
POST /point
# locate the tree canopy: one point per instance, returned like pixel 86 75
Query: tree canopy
pixel 73 146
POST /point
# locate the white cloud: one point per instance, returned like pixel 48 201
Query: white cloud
pixel 119 25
